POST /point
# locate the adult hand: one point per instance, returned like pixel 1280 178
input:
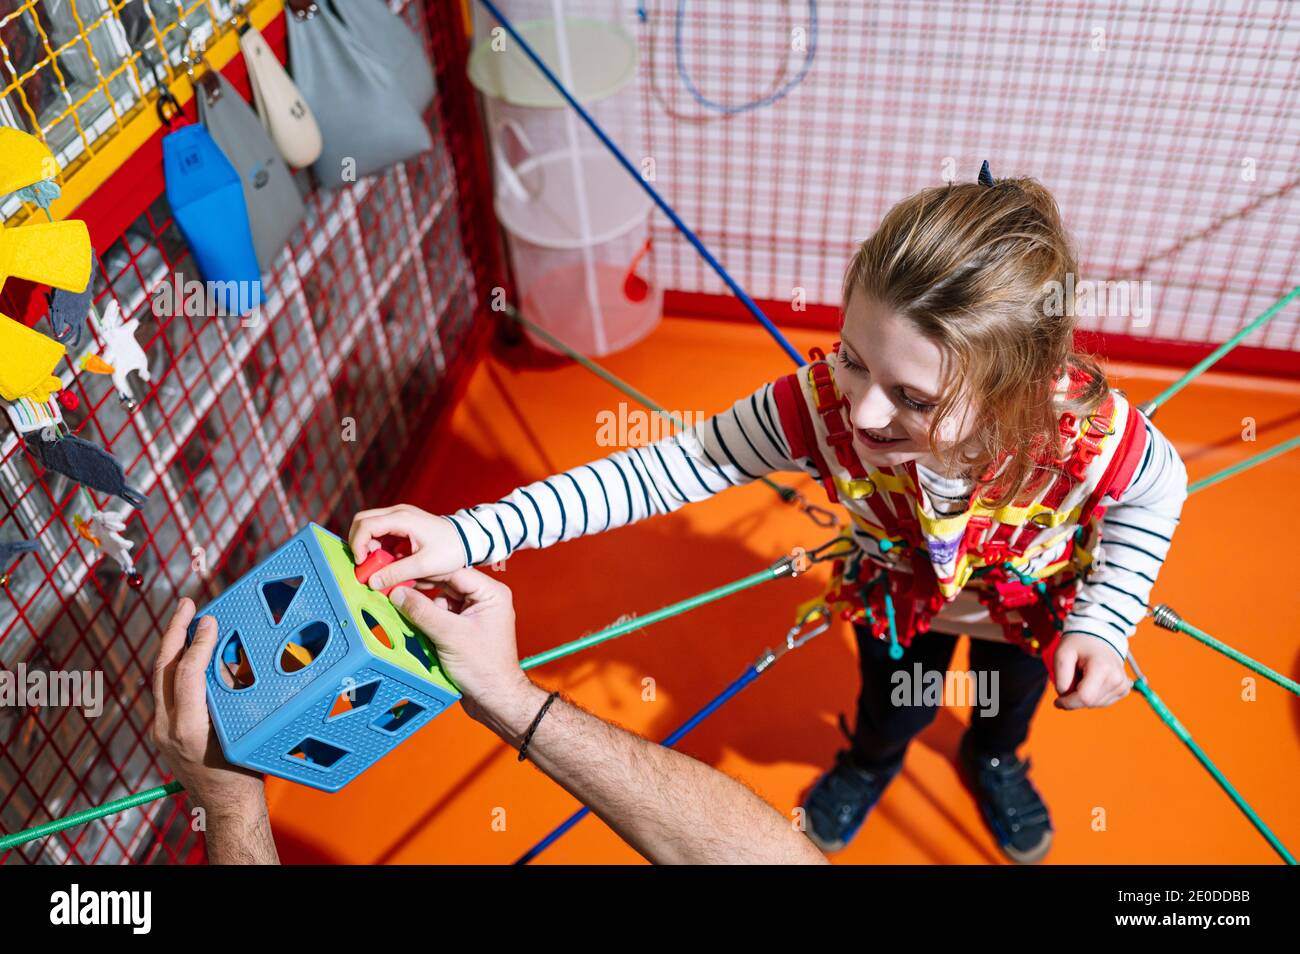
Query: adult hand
pixel 472 626
pixel 181 727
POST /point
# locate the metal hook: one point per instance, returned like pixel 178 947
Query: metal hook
pixel 797 635
pixel 165 97
pixel 833 549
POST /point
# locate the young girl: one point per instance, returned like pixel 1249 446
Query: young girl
pixel 976 453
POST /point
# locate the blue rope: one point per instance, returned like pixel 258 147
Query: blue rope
pixel 631 169
pixel 748 676
pixel 755 104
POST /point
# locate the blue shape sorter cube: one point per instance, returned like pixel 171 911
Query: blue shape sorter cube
pixel 316 676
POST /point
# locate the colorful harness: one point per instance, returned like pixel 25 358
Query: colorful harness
pixel 987 549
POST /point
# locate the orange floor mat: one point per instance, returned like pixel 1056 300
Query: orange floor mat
pixel 1121 787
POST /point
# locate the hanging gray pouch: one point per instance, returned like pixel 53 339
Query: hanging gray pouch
pixel 275 207
pixel 365 118
pixel 388 36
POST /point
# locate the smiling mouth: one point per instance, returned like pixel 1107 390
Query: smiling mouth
pixel 876 439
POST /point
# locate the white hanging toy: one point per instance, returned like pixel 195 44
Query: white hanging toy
pixel 122 351
pixel 106 530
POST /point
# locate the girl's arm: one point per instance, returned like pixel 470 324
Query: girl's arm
pixel 1135 537
pixel 735 447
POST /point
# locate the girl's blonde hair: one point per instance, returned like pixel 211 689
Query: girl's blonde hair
pixel 981 271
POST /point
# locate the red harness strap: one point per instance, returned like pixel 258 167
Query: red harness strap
pixel 798 428
pixel 1041 606
pixel 1120 470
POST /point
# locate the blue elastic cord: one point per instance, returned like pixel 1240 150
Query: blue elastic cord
pixel 745 679
pixel 649 190
pixel 755 104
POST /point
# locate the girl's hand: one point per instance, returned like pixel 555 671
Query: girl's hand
pixel 1088 673
pixel 435 545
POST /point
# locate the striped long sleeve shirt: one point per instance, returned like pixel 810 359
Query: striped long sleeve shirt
pixel 746 442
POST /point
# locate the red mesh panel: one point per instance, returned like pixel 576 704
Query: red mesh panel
pixel 373 313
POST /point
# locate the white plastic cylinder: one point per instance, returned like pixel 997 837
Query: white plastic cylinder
pixel 577 224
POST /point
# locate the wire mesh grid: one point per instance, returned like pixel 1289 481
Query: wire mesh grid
pixel 783 132
pixel 1167 131
pixel 74 72
pixel 248 430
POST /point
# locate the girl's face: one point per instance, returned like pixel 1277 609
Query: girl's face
pixel 893 378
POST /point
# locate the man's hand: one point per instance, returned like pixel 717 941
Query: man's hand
pixel 472 625
pixel 435 544
pixel 666 805
pixel 1088 673
pixel 233 798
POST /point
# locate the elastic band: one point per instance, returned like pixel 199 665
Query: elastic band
pixel 528 736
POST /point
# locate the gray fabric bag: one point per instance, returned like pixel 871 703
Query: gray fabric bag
pixel 275 207
pixel 366 119
pixel 388 36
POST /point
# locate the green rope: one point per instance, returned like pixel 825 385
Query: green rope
pixel 787 494
pixel 782 567
pixel 1169 719
pixel 1166 618
pixel 1204 364
pixel 676 609
pixel 88 815
pixel 1246 464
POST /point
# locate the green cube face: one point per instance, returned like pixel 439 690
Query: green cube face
pixel 386 632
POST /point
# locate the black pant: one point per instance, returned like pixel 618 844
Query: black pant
pixel 884 729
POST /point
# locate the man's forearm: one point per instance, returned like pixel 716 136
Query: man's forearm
pixel 240 834
pixel 669 807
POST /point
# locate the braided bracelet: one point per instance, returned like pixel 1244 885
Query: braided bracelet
pixel 528 736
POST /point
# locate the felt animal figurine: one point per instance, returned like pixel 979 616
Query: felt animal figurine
pixel 107 530
pixel 24 161
pixel 85 463
pixel 122 351
pixel 10 551
pixel 68 311
pixel 27 362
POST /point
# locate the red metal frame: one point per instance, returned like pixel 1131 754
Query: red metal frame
pixel 1162 351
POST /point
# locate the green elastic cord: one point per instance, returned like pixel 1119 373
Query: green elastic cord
pixel 88 815
pixel 1204 365
pixel 1246 464
pixel 895 650
pixel 1290 685
pixel 676 609
pixel 1169 719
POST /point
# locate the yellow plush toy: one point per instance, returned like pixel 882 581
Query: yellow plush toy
pixel 24 161
pixel 49 253
pixel 27 362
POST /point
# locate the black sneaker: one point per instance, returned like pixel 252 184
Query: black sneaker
pixel 838 804
pixel 1011 806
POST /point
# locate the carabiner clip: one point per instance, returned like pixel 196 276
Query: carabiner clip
pixel 794 639
pixel 818 515
pixel 165 97
pixel 797 635
pixel 828 551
